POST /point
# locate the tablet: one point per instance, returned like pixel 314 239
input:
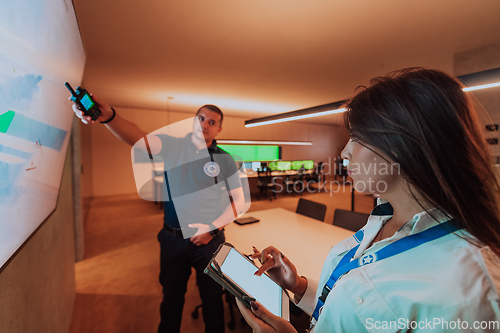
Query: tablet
pixel 246 220
pixel 239 270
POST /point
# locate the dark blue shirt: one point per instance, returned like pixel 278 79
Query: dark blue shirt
pixel 196 191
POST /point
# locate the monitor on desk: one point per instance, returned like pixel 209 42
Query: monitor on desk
pixel 256 166
pixel 308 164
pixel 284 165
pixel 296 165
pixel 249 153
pixel 273 166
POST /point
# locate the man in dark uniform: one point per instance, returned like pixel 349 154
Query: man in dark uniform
pixel 198 178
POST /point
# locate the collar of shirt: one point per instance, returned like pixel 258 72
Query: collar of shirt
pixel 211 148
pixel 382 213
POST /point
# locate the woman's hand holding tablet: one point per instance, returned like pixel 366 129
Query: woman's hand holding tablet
pixel 236 273
pixel 281 270
pixel 263 321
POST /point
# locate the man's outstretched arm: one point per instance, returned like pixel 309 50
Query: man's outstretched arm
pixel 123 129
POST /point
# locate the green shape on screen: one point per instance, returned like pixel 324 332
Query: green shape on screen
pixel 6 120
pixel 27 128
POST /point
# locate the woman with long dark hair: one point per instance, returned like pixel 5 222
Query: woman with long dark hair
pixel 428 257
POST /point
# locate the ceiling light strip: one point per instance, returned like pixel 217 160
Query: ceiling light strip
pixel 484 86
pixel 250 142
pixel 473 81
pixel 478 80
pixel 315 111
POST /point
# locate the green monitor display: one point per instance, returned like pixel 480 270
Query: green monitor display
pixel 296 165
pixel 273 166
pixel 284 165
pixel 308 164
pixel 249 153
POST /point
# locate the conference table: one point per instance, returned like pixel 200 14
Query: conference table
pixel 304 240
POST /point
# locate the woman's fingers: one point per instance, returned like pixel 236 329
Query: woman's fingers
pixel 255 323
pixel 255 254
pixel 245 312
pixel 277 323
pixel 269 259
pixel 270 253
pixel 263 321
pixel 269 263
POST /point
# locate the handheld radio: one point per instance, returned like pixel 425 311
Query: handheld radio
pixel 83 99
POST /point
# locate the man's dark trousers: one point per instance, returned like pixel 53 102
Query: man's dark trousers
pixel 177 257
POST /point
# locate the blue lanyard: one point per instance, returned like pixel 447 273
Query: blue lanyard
pixel 399 246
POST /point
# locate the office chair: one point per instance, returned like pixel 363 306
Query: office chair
pixel 299 179
pixel 349 220
pixel 291 182
pixel 317 176
pixel 312 209
pixel 288 182
pixel 265 183
pixel 313 176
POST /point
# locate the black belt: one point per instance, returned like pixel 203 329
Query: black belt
pixel 177 232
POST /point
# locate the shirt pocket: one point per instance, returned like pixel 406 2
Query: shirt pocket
pixel 369 304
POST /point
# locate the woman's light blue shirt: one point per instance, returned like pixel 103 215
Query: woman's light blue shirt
pixel 447 285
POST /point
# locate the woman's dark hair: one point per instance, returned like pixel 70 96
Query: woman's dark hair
pixel 423 121
pixel 213 108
